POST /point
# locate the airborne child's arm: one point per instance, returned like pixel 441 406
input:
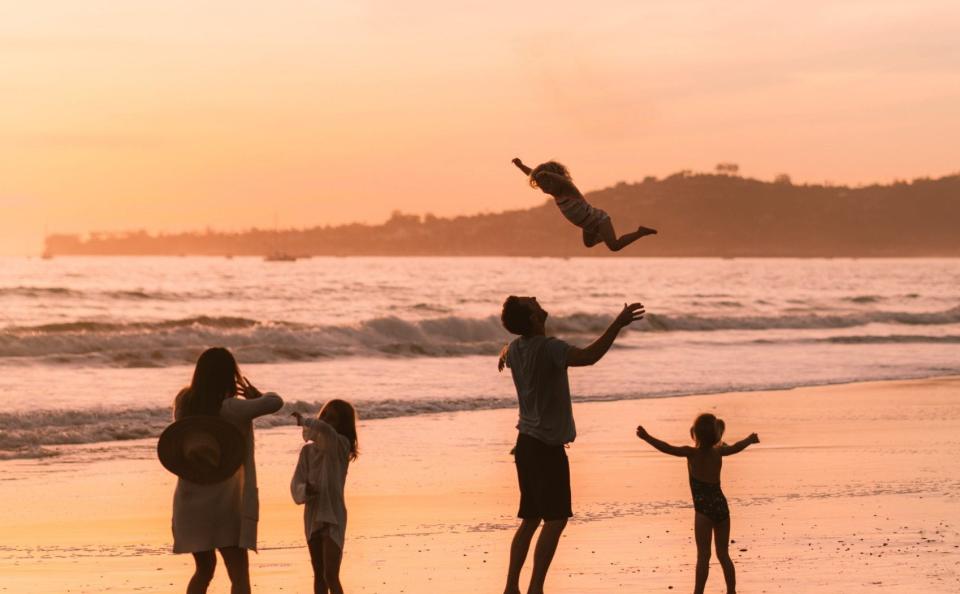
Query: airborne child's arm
pixel 526 170
pixel 666 448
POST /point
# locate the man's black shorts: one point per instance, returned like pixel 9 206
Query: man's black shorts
pixel 544 475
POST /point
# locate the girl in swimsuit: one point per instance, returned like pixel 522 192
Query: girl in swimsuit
pixel 712 517
pixel 554 179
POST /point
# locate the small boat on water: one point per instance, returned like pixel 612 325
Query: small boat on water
pixel 279 257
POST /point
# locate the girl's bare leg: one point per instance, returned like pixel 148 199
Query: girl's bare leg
pixel 702 530
pixel 543 553
pixel 332 556
pixel 518 553
pixel 315 545
pixel 609 235
pixel 721 539
pixel 238 568
pixel 206 563
pixel 591 239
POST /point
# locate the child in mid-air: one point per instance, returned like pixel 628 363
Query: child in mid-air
pixel 554 179
pixel 318 482
pixel 712 515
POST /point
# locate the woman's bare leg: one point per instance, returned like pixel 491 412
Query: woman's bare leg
pixel 721 539
pixel 206 563
pixel 315 545
pixel 518 553
pixel 332 555
pixel 609 235
pixel 702 530
pixel 238 568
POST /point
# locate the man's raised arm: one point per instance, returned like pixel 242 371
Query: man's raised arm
pixel 577 357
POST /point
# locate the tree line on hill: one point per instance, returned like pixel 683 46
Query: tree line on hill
pixel 697 215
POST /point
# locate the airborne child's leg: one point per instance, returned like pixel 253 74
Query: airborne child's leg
pixel 609 236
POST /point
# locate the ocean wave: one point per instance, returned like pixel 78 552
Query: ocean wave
pixel 177 342
pixel 893 339
pixel 859 339
pixel 37 434
pixel 33 292
pixel 37 292
pixel 801 321
pixel 32 434
pixel 864 299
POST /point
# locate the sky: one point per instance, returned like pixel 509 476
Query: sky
pixel 180 115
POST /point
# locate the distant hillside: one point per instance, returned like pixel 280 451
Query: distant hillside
pixel 697 215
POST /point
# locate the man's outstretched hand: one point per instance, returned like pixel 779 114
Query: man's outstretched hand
pixel 630 314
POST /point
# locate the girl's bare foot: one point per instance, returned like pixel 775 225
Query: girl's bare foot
pixel 646 231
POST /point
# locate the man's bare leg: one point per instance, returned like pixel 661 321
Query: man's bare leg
pixel 518 553
pixel 543 554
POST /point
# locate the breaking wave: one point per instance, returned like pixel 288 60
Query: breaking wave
pixel 177 342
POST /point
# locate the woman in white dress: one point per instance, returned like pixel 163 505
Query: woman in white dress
pixel 221 516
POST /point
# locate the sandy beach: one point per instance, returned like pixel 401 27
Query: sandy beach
pixel 854 488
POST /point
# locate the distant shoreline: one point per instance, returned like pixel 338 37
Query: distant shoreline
pixel 698 215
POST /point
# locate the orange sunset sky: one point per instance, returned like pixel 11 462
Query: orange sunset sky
pixel 174 115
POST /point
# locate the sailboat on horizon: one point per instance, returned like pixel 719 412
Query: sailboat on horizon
pixel 276 254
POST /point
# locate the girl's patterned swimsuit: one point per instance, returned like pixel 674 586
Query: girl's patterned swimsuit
pixel 709 500
pixel 579 212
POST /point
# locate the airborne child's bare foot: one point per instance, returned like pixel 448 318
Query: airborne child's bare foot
pixel 644 231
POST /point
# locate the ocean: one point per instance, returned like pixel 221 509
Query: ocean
pixel 94 349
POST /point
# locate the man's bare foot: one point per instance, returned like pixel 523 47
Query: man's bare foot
pixel 646 231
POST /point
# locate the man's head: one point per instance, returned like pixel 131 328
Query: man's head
pixel 523 316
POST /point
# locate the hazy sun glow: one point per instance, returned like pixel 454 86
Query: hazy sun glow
pixel 182 115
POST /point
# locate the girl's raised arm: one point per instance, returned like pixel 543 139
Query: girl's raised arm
pixel 666 448
pixel 729 450
pixel 526 170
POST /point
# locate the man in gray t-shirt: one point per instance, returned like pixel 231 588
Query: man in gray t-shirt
pixel 539 367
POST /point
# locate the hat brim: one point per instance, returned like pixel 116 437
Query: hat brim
pixel 233 449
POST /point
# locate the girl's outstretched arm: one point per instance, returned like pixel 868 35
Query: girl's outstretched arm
pixel 729 450
pixel 666 448
pixel 526 170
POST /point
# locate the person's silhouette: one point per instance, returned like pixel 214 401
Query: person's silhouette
pixel 712 517
pixel 539 365
pixel 554 179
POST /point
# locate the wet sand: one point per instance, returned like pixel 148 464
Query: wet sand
pixel 853 488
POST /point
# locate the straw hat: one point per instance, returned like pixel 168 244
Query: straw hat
pixel 202 449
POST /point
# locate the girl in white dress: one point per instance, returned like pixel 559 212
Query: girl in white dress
pixel 318 482
pixel 554 179
pixel 220 516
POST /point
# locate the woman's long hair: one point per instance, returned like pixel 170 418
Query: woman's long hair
pixel 214 380
pixel 344 422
